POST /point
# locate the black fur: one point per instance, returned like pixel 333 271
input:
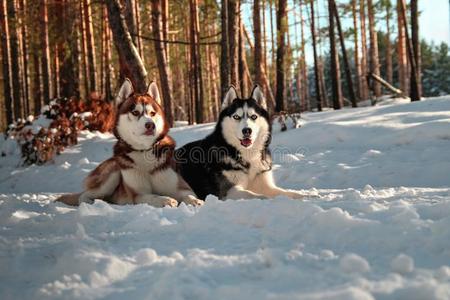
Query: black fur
pixel 202 162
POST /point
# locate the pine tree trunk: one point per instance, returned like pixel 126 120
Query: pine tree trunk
pixel 83 46
pixel 348 74
pixel 90 45
pixel 414 84
pixel 264 36
pixel 196 61
pixel 165 26
pixel 389 75
pixel 164 75
pixel 316 59
pixel 304 66
pixel 233 40
pixel 334 58
pixel 133 66
pixel 137 14
pixel 224 50
pixel 25 57
pixel 258 61
pixel 272 39
pixel 68 50
pixel 244 72
pixel 15 63
pixel 282 27
pixel 107 57
pixel 6 62
pixel 416 45
pixel 37 92
pixel 364 70
pixel 45 59
pixel 55 68
pixel 356 51
pixel 374 60
pixel 401 51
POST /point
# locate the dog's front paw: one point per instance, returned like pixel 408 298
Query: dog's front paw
pixel 191 200
pixel 296 195
pixel 163 201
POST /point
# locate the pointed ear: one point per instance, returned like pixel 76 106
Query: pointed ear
pixel 153 91
pixel 258 95
pixel 125 91
pixel 229 97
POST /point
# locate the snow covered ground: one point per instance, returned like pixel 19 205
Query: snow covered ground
pixel 380 231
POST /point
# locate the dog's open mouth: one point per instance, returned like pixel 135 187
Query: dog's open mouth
pixel 246 142
pixel 149 132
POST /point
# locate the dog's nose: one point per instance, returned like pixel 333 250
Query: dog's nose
pixel 247 131
pixel 149 125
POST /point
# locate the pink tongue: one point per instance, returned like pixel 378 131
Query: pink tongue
pixel 149 132
pixel 246 142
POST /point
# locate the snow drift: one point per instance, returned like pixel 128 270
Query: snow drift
pixel 380 231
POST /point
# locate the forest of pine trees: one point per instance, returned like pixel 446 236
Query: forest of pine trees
pixel 306 54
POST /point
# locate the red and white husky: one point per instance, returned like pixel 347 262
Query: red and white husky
pixel 141 169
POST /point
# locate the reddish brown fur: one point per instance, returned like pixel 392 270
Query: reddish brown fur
pixel 164 145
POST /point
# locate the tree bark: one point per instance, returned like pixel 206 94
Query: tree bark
pixel 389 75
pixel 224 50
pixel 164 75
pixel 282 26
pixel 359 77
pixel 401 51
pixel 90 45
pixel 334 58
pixel 196 61
pixel 364 70
pixel 258 61
pixel 414 84
pixel 374 60
pixel 15 63
pixel 348 73
pixel 416 45
pixel 316 59
pixel 6 62
pixel 68 50
pixel 304 66
pixel 133 67
pixel 233 40
pixel 25 57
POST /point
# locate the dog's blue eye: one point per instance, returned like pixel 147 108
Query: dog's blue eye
pixel 254 117
pixel 236 117
pixel 135 113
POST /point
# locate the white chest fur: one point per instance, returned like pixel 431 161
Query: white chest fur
pixel 245 178
pixel 140 177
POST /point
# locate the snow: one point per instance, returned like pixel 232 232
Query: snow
pixel 381 229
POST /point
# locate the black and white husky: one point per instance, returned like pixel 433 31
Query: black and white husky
pixel 234 162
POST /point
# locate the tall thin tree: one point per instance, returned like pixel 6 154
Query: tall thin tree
pixel 164 75
pixel 282 28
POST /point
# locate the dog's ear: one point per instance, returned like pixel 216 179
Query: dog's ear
pixel 125 91
pixel 229 97
pixel 153 91
pixel 258 95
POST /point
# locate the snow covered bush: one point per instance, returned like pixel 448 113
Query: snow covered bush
pixel 57 127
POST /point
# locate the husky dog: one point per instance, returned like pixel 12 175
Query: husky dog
pixel 234 161
pixel 141 169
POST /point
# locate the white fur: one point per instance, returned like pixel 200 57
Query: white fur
pixel 258 95
pixel 230 96
pixel 232 129
pixel 161 188
pixel 132 129
pixel 124 92
pixel 153 91
pixel 258 182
